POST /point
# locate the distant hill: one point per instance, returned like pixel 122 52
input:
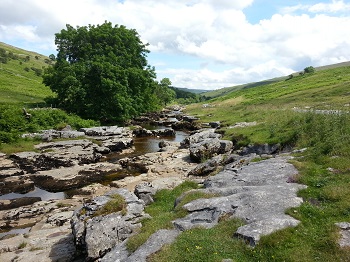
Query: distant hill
pixel 195 91
pixel 227 90
pixel 21 76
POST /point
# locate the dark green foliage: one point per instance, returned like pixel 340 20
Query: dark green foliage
pixel 101 72
pixel 185 97
pixel 309 69
pixel 13 122
pixel 164 93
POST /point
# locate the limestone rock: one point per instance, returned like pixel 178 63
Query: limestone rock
pixel 62 179
pixel 98 235
pixel 258 193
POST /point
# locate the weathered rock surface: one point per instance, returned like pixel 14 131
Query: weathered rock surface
pixel 57 154
pixel 62 179
pixel 198 136
pixel 143 132
pixel 205 144
pixel 145 191
pixel 106 131
pixel 344 240
pixel 258 193
pixel 154 243
pixel 98 235
pixel 17 202
pixel 18 184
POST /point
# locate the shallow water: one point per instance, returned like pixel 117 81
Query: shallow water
pixel 142 146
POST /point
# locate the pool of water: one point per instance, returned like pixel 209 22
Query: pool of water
pixel 142 145
pixel 37 192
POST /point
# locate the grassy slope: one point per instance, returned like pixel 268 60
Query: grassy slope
pixel 17 86
pixel 227 90
pixel 324 168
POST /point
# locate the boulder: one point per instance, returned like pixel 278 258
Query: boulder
pixel 264 149
pixel 208 148
pixel 199 136
pixel 145 191
pixel 95 236
pixel 185 125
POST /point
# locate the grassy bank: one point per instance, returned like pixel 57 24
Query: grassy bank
pixel 284 112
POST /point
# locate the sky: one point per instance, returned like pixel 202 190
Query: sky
pixel 200 44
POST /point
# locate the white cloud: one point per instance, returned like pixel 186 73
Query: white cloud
pixel 336 6
pixel 215 33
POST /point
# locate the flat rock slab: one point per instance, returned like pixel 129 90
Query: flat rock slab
pixel 73 177
pixel 344 240
pixel 258 193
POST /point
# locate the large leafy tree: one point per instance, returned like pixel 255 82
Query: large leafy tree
pixel 101 73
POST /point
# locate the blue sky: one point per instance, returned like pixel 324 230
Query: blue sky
pixel 204 44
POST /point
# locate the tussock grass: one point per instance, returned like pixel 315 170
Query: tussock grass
pixel 116 204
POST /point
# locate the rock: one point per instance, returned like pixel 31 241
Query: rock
pixel 59 219
pixel 98 235
pixel 214 124
pixel 185 125
pixel 49 135
pixel 199 136
pixel 16 184
pixel 204 149
pixel 8 168
pixel 117 144
pixel 106 131
pixel 243 124
pixel 208 167
pixel 62 179
pixel 145 191
pixel 190 118
pixel 258 193
pixel 142 132
pixel 17 202
pixel 28 214
pixel 344 241
pixel 57 154
pixel 261 149
pixel 154 243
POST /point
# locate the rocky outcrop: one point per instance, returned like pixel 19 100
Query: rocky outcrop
pixel 205 144
pixel 62 179
pixel 143 132
pixel 17 202
pixel 57 154
pixel 95 236
pixel 258 193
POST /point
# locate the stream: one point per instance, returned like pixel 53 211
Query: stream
pixel 142 146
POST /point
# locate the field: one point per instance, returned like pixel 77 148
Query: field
pixel 20 76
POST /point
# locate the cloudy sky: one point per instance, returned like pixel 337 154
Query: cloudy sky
pixel 203 44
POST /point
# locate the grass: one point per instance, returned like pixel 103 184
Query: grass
pixel 116 204
pixel 162 212
pixel 19 83
pixel 324 167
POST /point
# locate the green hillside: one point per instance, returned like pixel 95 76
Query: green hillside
pixel 20 76
pixel 309 112
pixel 226 90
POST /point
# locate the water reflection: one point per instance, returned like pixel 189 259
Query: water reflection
pixel 37 192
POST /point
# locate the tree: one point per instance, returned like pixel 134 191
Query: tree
pixel 164 93
pixel 309 69
pixel 101 73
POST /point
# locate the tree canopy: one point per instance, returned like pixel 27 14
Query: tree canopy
pixel 101 72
